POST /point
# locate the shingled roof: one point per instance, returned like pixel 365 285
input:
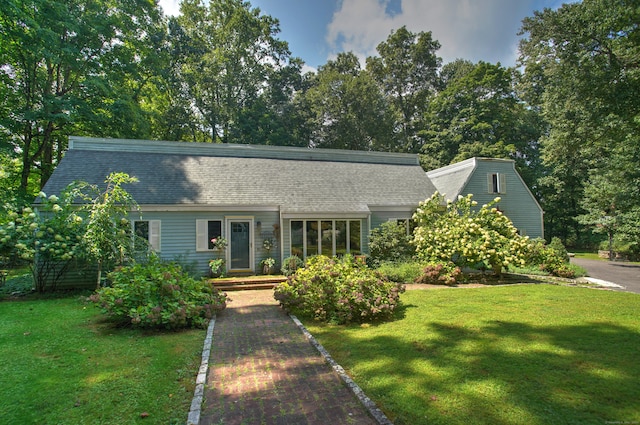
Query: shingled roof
pixel 292 180
pixel 451 179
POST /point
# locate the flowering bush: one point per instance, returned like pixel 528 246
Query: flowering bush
pixel 217 267
pixel 267 244
pixel 484 239
pixel 218 243
pixel 338 291
pixel 438 273
pixel 158 295
pixel 48 239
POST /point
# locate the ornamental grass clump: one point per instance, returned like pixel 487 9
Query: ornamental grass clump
pixel 158 294
pixel 339 291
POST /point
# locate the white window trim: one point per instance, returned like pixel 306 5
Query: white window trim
pixel 202 233
pixel 154 238
pixel 333 236
pixel 501 183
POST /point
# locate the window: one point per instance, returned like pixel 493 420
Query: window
pixel 147 231
pixel 328 237
pixel 205 231
pixel 497 183
pixel 408 223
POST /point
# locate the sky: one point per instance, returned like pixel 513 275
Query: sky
pixel 317 30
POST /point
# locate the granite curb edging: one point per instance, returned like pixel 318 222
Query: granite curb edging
pixel 195 411
pixel 198 394
pixel 371 407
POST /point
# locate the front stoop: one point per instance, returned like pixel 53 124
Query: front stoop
pixel 247 283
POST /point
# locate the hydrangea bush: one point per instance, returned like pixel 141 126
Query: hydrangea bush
pixel 338 291
pixel 158 294
pixel 49 239
pixel 483 239
pixel 440 273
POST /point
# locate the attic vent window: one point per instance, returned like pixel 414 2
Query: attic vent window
pixel 497 183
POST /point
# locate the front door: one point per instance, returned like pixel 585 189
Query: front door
pixel 240 245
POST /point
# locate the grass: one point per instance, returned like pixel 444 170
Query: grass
pixel 589 256
pixel 522 354
pixel 63 364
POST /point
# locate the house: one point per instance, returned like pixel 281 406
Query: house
pixel 267 201
pixel 486 179
pixel 278 201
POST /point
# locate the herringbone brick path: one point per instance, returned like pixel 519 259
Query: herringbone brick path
pixel 264 371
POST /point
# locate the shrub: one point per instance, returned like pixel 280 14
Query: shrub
pixel 622 248
pixel 400 272
pixel 558 249
pixel 552 258
pixel 390 242
pixel 158 295
pixel 338 291
pixel 291 264
pixel 48 238
pixel 438 273
pixel 483 239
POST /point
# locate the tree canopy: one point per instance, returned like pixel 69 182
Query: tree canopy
pixel 568 114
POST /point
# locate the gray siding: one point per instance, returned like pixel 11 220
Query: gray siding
pixel 178 234
pixel 517 202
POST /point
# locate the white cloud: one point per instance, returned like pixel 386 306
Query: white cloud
pixel 470 29
pixel 170 7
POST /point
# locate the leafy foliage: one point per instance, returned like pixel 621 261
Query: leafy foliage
pixel 482 239
pixel 581 72
pixel 551 258
pixel 158 294
pixel 49 240
pixel 406 71
pixel 347 109
pixel 403 272
pixel 390 242
pixel 291 264
pixel 108 232
pixel 479 114
pixel 438 273
pixel 340 291
pixel 70 65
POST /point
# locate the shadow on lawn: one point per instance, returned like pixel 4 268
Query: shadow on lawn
pixel 509 372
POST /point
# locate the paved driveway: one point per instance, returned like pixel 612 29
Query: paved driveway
pixel 622 273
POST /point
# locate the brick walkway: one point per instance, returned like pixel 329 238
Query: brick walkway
pixel 264 371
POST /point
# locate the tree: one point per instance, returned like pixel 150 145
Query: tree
pixel 228 53
pixel 406 71
pixel 581 71
pixel 347 110
pixel 272 118
pixel 64 63
pixel 480 114
pixel 108 233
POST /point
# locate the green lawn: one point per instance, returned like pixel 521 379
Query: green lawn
pixel 525 354
pixel 62 364
pixel 589 256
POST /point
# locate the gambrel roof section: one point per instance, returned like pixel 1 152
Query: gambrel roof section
pixel 451 180
pixel 186 175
